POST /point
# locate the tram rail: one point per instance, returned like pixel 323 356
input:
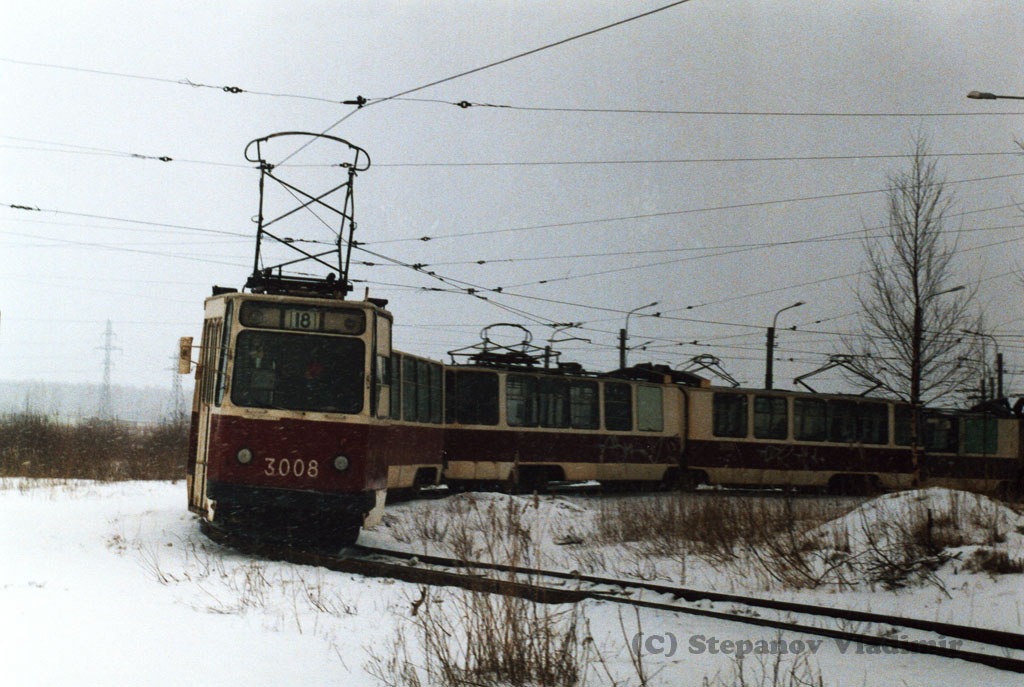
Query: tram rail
pixel 993 647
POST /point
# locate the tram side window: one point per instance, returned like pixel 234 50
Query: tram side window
pixel 874 423
pixel 472 397
pixel 771 417
pixel 421 390
pixel 981 434
pixel 809 417
pixel 842 422
pixel 940 433
pixel 901 434
pixel 650 414
pixel 553 402
pixel 618 407
pixel 583 408
pixel 436 393
pixel 729 417
pixel 381 380
pixel 222 358
pixel 396 385
pixel 409 387
pixel 211 339
pixel 521 400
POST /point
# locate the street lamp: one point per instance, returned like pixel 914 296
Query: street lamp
pixel 982 95
pixel 769 359
pixel 623 333
pixel 999 364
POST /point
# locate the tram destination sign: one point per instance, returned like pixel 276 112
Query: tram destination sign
pixel 349 321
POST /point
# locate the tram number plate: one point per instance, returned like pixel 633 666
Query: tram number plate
pixel 303 319
pixel 285 467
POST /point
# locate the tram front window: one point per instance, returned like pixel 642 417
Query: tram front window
pixel 298 372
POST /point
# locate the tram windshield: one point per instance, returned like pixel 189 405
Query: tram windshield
pixel 298 372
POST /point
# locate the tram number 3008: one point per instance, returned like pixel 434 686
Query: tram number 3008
pixel 284 467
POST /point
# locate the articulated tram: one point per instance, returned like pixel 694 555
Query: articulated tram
pixel 304 418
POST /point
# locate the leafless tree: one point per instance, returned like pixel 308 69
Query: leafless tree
pixel 916 304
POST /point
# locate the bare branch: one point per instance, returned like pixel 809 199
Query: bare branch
pixel 913 284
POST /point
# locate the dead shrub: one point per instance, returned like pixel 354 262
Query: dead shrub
pixel 994 562
pixel 33 445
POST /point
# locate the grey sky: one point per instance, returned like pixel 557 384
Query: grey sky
pixel 62 276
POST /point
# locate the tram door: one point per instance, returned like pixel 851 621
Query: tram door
pixel 210 384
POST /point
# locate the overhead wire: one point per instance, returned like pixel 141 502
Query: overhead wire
pixel 674 213
pixel 490 65
pixel 93 150
pixel 465 104
pixel 180 82
pixel 70 213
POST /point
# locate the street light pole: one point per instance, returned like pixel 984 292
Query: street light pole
pixel 624 334
pixel 769 360
pixel 999 362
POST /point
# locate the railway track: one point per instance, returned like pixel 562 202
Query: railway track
pixel 990 647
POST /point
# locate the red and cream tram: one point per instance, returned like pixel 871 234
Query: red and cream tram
pixel 290 416
pixel 304 417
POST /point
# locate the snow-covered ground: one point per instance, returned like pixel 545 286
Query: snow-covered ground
pixel 104 584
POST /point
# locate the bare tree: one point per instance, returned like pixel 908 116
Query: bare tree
pixel 915 303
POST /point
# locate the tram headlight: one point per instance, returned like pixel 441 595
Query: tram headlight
pixel 244 456
pixel 340 463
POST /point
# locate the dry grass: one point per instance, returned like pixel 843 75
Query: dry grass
pixel 774 541
pixel 715 527
pixel 459 638
pixel 778 670
pixel 35 446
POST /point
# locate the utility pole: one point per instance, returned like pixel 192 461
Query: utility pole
pixel 106 411
pixel 995 386
pixel 624 333
pixel 770 346
pixel 178 408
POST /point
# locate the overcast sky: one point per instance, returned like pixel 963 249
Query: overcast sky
pixel 633 206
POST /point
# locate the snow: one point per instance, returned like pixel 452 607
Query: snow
pixel 112 583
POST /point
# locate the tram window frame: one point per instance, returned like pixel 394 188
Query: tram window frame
pixel 436 393
pixel 729 415
pixel 843 422
pixel 769 422
pixel 873 421
pixel 584 406
pixel 902 430
pixel 221 375
pixel 396 386
pixel 341 375
pixel 809 426
pixel 382 380
pixel 521 401
pixel 472 397
pixel 211 337
pixel 981 434
pixel 409 389
pixel 553 402
pixel 423 391
pixel 618 406
pixel 941 433
pixel 650 408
